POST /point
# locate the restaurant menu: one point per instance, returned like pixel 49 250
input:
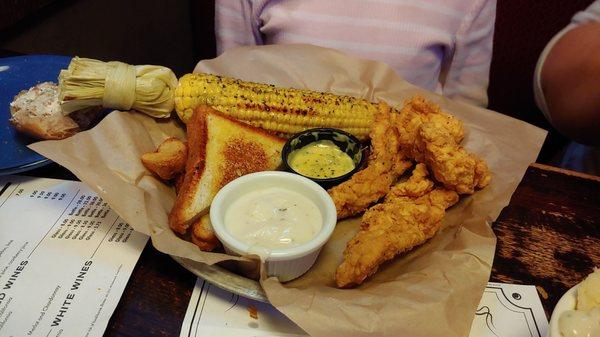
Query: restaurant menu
pixel 505 310
pixel 65 258
pixel 216 312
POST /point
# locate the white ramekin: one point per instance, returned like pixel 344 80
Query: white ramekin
pixel 286 264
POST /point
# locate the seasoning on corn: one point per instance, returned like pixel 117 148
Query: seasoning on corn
pixel 282 110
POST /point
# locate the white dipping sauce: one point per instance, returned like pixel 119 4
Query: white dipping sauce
pixel 273 218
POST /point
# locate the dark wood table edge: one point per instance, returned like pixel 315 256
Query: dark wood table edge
pixel 565 171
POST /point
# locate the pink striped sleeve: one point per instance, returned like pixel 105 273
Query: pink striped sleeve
pixel 235 24
pixel 467 76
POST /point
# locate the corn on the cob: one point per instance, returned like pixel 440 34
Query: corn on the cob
pixel 281 110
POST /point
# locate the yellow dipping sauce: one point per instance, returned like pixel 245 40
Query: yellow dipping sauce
pixel 321 159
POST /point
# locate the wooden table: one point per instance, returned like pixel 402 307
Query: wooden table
pixel 548 236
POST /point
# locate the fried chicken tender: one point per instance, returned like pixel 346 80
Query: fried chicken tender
pixel 450 163
pixel 413 210
pixel 414 113
pixel 416 186
pixel 408 218
pixel 385 165
pixel 430 136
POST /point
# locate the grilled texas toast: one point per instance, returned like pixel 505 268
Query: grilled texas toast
pixel 220 149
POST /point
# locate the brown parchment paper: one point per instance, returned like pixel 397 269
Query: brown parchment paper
pixel 432 291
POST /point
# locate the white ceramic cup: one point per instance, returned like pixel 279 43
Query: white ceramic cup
pixel 289 263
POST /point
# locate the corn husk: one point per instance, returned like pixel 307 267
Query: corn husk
pixel 117 85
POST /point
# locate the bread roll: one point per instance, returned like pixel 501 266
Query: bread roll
pixel 37 113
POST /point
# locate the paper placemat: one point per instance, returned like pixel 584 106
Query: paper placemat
pixel 505 310
pixel 65 258
pixel 509 310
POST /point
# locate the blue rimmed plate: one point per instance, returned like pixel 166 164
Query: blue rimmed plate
pixel 16 74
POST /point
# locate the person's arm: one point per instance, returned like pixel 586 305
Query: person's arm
pixel 570 82
pixel 468 73
pixel 235 24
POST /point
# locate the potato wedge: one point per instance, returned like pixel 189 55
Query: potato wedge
pixel 168 160
pixel 203 235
